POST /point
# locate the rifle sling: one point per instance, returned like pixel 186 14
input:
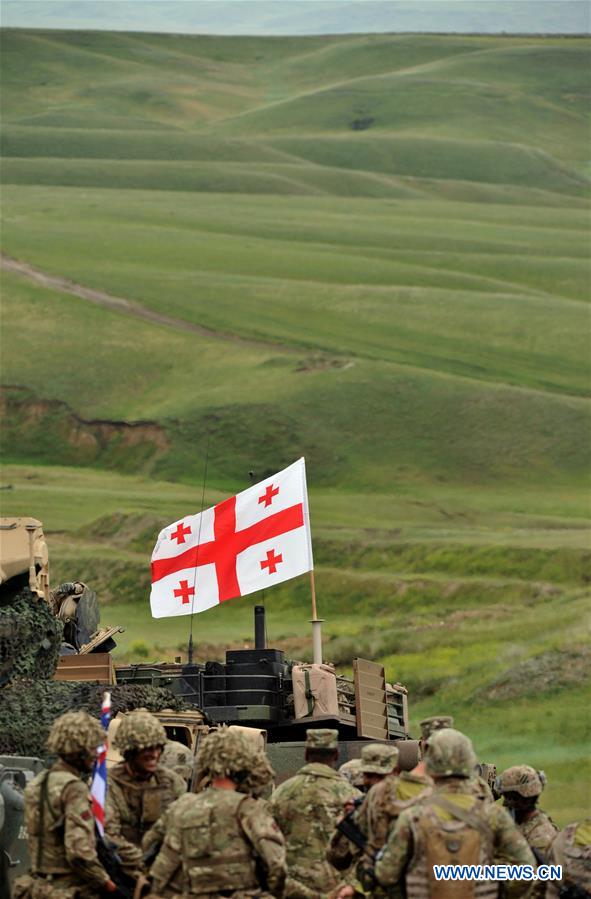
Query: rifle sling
pixel 463 815
pixel 309 694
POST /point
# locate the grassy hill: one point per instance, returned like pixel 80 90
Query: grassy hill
pixel 372 251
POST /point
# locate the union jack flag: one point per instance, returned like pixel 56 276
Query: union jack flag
pixel 98 788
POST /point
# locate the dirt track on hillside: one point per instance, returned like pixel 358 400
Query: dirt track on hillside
pixel 130 307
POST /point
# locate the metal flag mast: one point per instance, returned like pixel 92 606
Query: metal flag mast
pixel 316 623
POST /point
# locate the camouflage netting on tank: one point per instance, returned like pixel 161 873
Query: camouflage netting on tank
pixel 28 709
pixel 30 637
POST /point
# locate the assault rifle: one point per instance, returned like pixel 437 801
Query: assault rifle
pixel 111 862
pixel 350 829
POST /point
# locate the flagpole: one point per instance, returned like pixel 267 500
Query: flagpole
pixel 316 623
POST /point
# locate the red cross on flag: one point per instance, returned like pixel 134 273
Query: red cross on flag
pixel 246 543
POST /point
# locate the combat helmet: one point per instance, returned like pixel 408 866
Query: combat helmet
pixel 139 730
pixel 450 754
pixel 522 779
pixel 229 753
pixel 75 732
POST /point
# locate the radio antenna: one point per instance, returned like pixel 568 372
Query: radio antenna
pixel 190 644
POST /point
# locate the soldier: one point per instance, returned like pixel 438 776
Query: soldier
pixel 222 841
pixel 451 826
pixel 306 808
pixel 140 788
pixel 179 759
pixel 379 762
pixel 60 825
pixel 571 849
pixel 520 787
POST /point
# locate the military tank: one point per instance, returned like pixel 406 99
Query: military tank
pixel 260 688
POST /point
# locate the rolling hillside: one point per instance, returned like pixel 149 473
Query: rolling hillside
pixel 369 250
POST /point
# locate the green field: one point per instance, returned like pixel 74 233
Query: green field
pixel 368 250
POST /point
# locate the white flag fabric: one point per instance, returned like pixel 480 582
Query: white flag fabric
pixel 246 543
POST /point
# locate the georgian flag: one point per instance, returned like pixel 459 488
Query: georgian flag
pixel 246 543
pixel 98 787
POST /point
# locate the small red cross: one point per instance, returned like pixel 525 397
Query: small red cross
pixel 185 591
pixel 267 497
pixel 272 561
pixel 179 534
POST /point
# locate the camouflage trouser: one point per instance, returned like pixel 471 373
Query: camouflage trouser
pixel 54 887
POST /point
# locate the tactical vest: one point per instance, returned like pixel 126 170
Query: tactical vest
pixel 45 819
pixel 454 842
pixel 142 804
pixel 215 851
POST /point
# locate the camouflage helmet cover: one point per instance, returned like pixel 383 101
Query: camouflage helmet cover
pixel 436 722
pixel 139 730
pixel 378 758
pixel 450 754
pixel 229 753
pixel 352 772
pixel 522 779
pixel 75 732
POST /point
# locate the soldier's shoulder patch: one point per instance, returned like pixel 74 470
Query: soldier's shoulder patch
pixel 86 815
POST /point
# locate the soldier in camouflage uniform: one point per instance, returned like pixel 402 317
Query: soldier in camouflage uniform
pixel 140 788
pixel 451 826
pixel 520 787
pixel 179 758
pixel 306 808
pixel 222 841
pixel 571 849
pixel 60 825
pixel 378 763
